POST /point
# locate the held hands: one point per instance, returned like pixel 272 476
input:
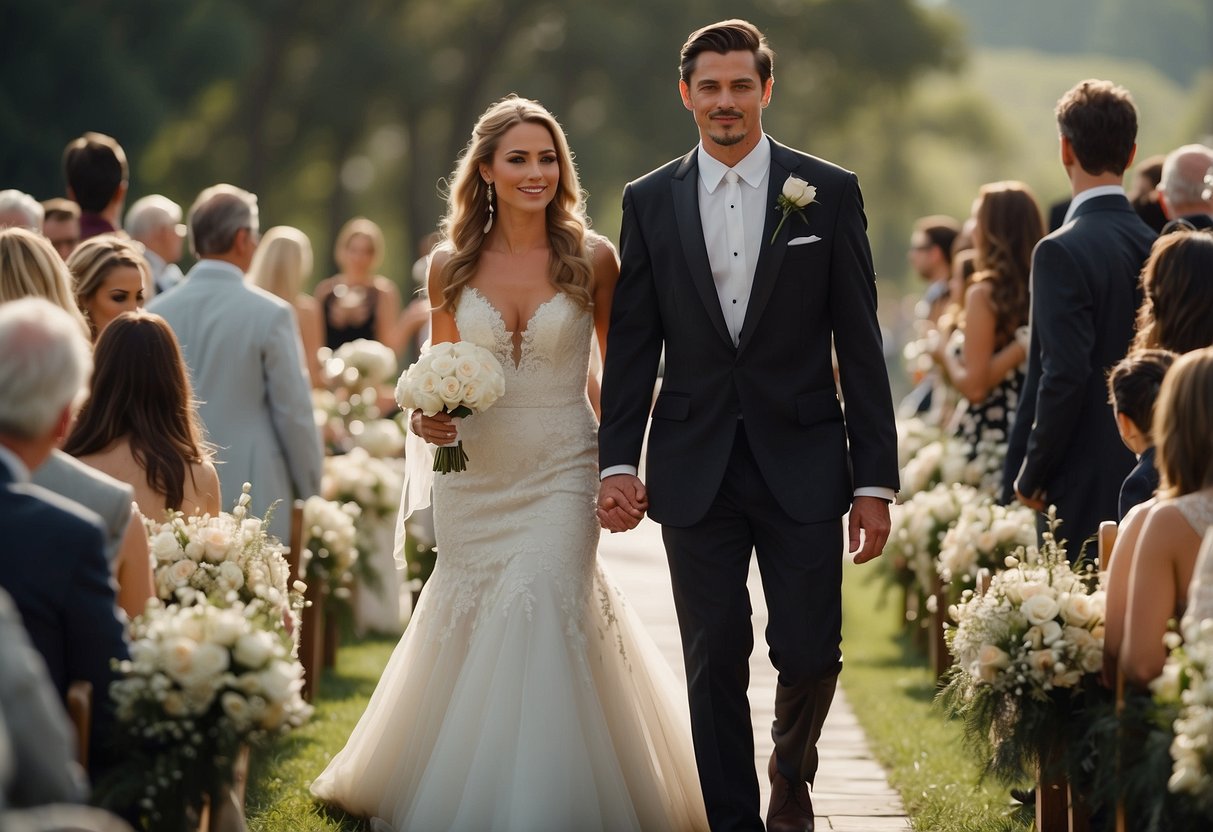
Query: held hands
pixel 622 502
pixel 439 429
pixel 869 515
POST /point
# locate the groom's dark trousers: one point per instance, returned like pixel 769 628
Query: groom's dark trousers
pixel 749 447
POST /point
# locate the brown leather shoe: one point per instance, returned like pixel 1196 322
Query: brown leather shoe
pixel 791 808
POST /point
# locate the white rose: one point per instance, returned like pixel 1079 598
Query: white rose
pixel 1041 662
pixel 1076 610
pixel 1166 686
pixel 178 657
pixel 467 368
pixel 164 547
pixel 991 659
pixel 428 403
pixel 443 365
pixel 225 627
pixel 236 707
pixel 1050 632
pixel 798 192
pixel 472 393
pixel 278 679
pixel 451 392
pixel 217 541
pixel 254 649
pixel 231 576
pixel 404 392
pixel 1028 589
pixel 209 661
pixel 180 572
pixel 194 550
pixel 1040 607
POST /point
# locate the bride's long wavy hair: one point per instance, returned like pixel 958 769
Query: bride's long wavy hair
pixel 1009 226
pixel 468 206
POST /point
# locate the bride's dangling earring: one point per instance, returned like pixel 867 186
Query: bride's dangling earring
pixel 489 223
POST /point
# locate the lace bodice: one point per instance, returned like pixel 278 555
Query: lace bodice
pixel 554 349
pixel 1197 509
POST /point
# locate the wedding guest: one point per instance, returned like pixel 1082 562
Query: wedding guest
pixel 357 302
pixel 1064 449
pixel 1133 387
pixel 61 225
pixel 1184 188
pixel 930 256
pixel 53 550
pixel 1177 311
pixel 139 424
pixel 1169 540
pixel 29 267
pixel 242 348
pixel 282 266
pixel 988 369
pixel 19 210
pixel 96 173
pixel 1143 192
pixel 110 276
pixel 155 222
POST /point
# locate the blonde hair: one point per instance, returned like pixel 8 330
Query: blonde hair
pixel 96 257
pixel 282 262
pixel 570 269
pixel 1181 425
pixel 30 267
pixel 356 227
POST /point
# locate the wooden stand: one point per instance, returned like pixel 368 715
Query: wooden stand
pixel 937 645
pixel 311 624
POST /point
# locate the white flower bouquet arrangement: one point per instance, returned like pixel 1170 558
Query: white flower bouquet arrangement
pixel 358 477
pixel 459 378
pixel 1187 681
pixel 381 438
pixel 1024 654
pixel 940 462
pixel 361 363
pixel 918 529
pixel 913 434
pixel 330 533
pixel 202 680
pixel 225 559
pixel 982 537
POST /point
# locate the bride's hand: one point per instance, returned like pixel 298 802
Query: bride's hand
pixel 438 429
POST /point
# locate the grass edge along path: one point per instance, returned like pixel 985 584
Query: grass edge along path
pixel 891 690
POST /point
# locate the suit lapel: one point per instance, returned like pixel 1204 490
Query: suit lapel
pixel 770 256
pixel 685 189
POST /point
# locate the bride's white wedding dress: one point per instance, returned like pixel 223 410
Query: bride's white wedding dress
pixel 524 695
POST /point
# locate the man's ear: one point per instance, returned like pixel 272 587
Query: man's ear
pixel 685 92
pixel 1067 153
pixel 767 89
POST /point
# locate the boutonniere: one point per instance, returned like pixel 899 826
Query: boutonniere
pixel 796 196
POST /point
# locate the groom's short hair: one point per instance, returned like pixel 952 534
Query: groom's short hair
pixel 724 37
pixel 1100 122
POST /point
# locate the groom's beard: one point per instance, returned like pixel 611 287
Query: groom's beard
pixel 731 138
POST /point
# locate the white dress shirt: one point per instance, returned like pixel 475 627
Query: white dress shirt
pixel 1091 193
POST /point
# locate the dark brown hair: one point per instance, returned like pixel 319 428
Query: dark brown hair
pixel 1177 282
pixel 1134 382
pixel 941 231
pixel 724 37
pixel 94 165
pixel 1008 226
pixel 140 392
pixel 1100 122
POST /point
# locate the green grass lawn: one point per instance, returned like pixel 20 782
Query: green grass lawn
pixel 892 692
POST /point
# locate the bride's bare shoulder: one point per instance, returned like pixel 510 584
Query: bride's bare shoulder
pixel 599 248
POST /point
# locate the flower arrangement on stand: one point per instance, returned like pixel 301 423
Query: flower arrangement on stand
pixel 919 527
pixel 1186 684
pixel 982 537
pixel 355 373
pixel 330 547
pixel 1025 653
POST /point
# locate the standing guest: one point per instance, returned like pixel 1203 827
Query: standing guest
pixel 1064 448
pixel 1185 188
pixel 1143 192
pixel 930 255
pixel 1169 538
pixel 110 277
pixel 987 370
pixel 139 424
pixel 29 267
pixel 19 210
pixel 52 560
pixel 749 452
pixel 1177 311
pixel 282 266
pixel 96 173
pixel 155 222
pixel 61 225
pixel 241 345
pixel 357 302
pixel 1133 387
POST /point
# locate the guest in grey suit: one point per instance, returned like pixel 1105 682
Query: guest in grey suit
pixel 245 360
pixel 108 497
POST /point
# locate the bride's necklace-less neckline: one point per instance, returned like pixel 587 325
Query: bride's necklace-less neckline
pixel 519 336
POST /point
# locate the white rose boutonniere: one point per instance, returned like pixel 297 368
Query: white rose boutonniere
pixel 796 196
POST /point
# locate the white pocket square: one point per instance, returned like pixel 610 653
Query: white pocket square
pixel 802 241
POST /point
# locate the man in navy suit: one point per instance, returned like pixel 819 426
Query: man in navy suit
pixel 52 551
pixel 750 448
pixel 1064 449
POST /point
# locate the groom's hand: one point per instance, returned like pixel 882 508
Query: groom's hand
pixel 869 515
pixel 622 502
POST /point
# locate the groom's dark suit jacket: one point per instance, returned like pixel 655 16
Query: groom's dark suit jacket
pixel 779 378
pixel 1085 294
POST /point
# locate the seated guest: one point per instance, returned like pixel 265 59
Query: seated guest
pixel 111 277
pixel 139 424
pixel 155 223
pixel 61 225
pixel 1184 188
pixel 29 267
pixel 19 210
pixel 1169 539
pixel 1176 313
pixel 52 558
pixel 96 174
pixel 1133 387
pixel 281 265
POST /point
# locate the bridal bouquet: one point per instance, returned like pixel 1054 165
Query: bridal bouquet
pixel 201 681
pixel 225 559
pixel 460 379
pixel 1023 654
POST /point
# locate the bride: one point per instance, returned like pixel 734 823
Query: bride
pixel 525 695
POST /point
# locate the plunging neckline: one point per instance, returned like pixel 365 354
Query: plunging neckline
pixel 520 338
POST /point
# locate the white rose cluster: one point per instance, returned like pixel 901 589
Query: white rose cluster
pixel 450 376
pixel 361 363
pixel 381 438
pixel 946 460
pixel 373 483
pixel 920 524
pixel 221 560
pixel 1188 678
pixel 982 537
pixel 331 535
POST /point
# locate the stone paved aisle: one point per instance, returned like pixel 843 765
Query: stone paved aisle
pixel 851 791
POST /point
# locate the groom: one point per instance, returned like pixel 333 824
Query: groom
pixel 749 447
